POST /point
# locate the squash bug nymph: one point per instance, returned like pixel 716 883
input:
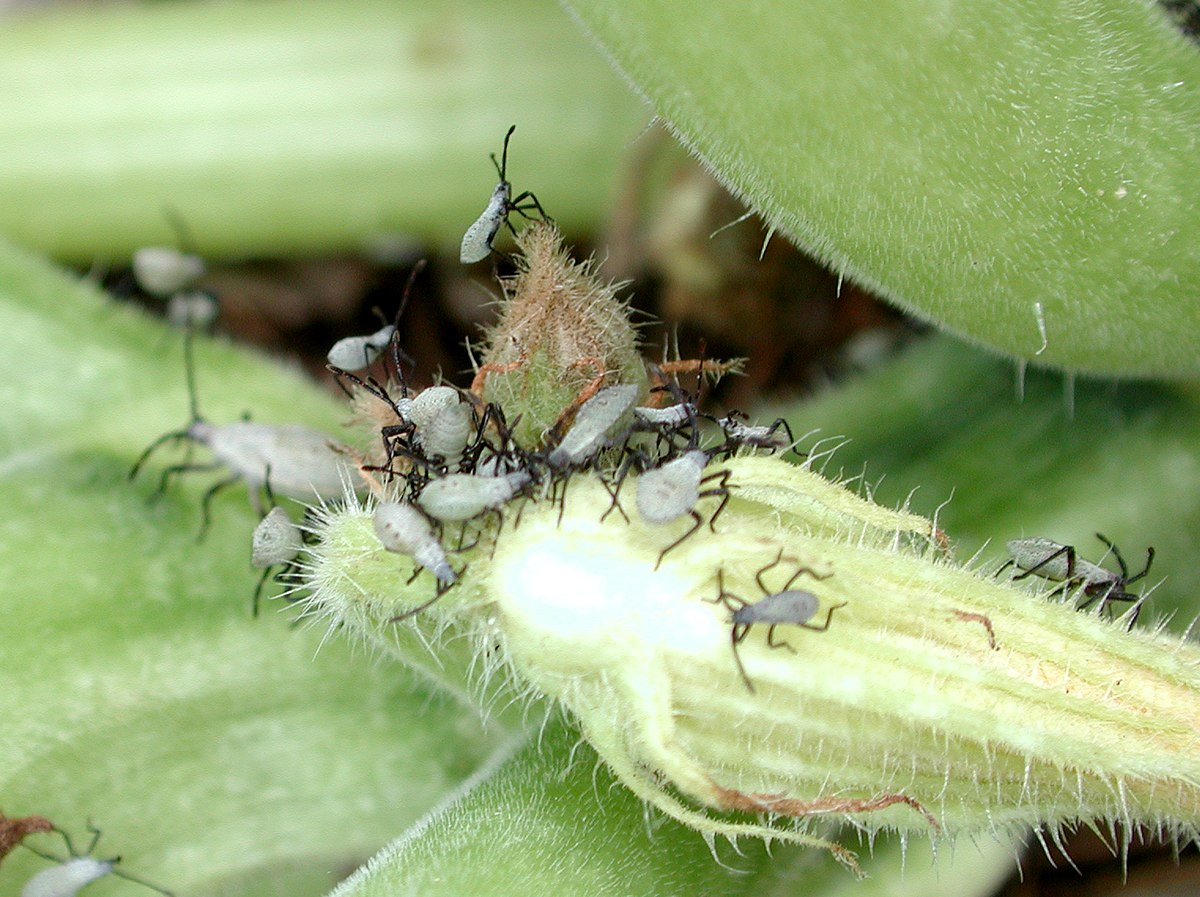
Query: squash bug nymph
pixel 1039 556
pixel 70 874
pixel 276 542
pixel 794 607
pixel 477 241
pixel 292 460
pixel 666 493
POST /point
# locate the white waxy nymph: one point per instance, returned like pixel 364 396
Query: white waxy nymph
pixel 793 606
pixel 442 421
pixel 673 417
pixel 1038 556
pixel 403 529
pixel 777 435
pixel 68 875
pixel 354 353
pixel 296 461
pixel 1053 560
pixel 65 879
pixel 593 421
pixel 477 241
pixel 285 459
pixel 161 271
pixel 461 496
pixel 276 540
pixel 667 493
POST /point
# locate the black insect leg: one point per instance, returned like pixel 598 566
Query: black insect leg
pixel 722 489
pixel 736 635
pixel 175 436
pixel 206 504
pixel 262 581
pixel 1067 550
pixel 174 470
pixel 699 522
pixel 771 643
pixel 828 618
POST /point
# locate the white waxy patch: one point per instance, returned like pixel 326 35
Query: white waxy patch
pixel 668 492
pixel 461 496
pixel 357 352
pixel 66 879
pixel 276 540
pixel 161 271
pixel 297 461
pixel 442 421
pixel 574 602
pixel 403 529
pixel 595 418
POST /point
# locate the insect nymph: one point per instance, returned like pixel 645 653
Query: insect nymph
pixel 793 607
pixel 477 241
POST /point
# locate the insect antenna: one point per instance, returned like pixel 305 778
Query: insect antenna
pixel 141 881
pixel 1116 553
pixel 183 233
pixel 502 165
pixel 408 288
pixel 189 371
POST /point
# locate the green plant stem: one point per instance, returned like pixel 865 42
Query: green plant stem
pixel 290 127
pixel 993 168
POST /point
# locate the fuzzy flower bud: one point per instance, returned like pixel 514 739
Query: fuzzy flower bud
pixel 562 333
pixel 936 700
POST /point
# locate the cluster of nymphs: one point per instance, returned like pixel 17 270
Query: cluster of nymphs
pixel 744 635
pixel 448 457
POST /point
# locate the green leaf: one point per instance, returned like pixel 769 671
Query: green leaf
pixel 549 821
pixel 997 169
pixel 221 754
pixel 294 126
